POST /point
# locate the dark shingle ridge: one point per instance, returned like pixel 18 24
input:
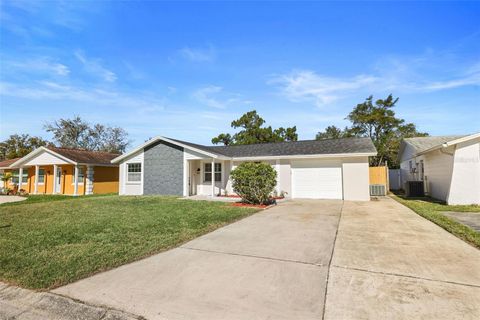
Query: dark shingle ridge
pixel 288 148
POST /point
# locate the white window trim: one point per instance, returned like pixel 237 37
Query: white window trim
pixel 213 173
pixel 141 173
pixel 44 174
pixel 83 180
pixel 10 182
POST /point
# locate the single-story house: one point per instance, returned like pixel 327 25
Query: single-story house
pixel 50 170
pixel 319 169
pixel 448 165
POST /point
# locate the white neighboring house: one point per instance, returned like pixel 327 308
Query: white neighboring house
pixel 319 169
pixel 449 166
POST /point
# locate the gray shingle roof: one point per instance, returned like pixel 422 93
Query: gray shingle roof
pixel 424 143
pixel 305 147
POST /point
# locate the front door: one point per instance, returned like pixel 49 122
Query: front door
pixel 58 182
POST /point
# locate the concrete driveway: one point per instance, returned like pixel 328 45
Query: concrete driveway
pixel 388 263
pixel 272 265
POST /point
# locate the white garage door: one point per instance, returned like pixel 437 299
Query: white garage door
pixel 317 179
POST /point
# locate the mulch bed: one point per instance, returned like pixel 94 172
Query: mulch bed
pixel 238 197
pixel 249 205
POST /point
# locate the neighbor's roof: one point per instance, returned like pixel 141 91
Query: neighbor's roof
pixel 85 156
pixel 6 163
pixel 420 144
pixel 73 156
pixel 332 147
pixel 292 148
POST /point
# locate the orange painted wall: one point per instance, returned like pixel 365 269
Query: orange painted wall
pixel 43 188
pixel 67 180
pixel 105 180
pixel 25 186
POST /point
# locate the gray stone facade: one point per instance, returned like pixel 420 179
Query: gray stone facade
pixel 163 169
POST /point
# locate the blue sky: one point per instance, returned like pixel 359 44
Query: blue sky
pixel 187 69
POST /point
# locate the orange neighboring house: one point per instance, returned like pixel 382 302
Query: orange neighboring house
pixel 50 170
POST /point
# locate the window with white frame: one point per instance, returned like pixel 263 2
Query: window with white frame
pixel 207 172
pixel 134 172
pixel 81 175
pixel 16 174
pixel 41 176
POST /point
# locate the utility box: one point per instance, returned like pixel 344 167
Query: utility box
pixel 378 190
pixel 415 189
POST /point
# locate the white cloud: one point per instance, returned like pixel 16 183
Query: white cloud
pixel 469 78
pixel 308 85
pixel 94 67
pixel 42 65
pixel 394 76
pixel 198 54
pixel 215 97
pixel 204 96
pixel 48 90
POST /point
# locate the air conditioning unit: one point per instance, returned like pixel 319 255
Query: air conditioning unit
pixel 378 190
pixel 414 189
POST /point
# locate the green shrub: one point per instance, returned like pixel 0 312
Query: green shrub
pixel 254 182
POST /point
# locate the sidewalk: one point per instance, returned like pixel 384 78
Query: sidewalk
pixel 22 304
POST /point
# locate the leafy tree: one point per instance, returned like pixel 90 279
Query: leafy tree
pixel 77 133
pixel 377 121
pixel 254 182
pixel 253 131
pixel 333 132
pixel 224 138
pixel 20 145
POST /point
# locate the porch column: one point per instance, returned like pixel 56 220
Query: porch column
pixel 20 178
pixel 277 168
pixel 222 172
pixel 37 169
pixel 186 178
pixel 54 187
pixel 229 179
pixel 75 186
pixel 89 185
pixel 213 178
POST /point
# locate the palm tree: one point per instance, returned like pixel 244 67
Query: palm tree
pixel 5 178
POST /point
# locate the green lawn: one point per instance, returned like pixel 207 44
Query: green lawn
pixel 431 210
pixel 45 244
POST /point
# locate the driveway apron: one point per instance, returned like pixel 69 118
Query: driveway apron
pixel 272 265
pixel 390 263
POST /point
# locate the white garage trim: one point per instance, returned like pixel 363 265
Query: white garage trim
pixel 317 179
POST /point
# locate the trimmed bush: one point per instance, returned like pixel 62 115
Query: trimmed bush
pixel 254 182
